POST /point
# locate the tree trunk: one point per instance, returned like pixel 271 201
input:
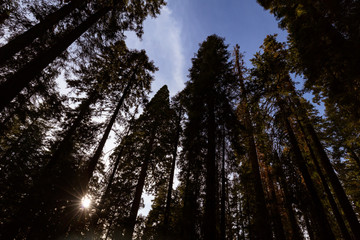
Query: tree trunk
pixel 188 228
pixel 85 177
pixel 223 193
pixel 210 218
pixel 354 156
pixel 94 220
pixel 309 227
pixel 326 163
pixel 296 233
pixel 171 180
pixel 130 225
pixel 277 222
pixel 20 42
pixel 344 231
pixel 95 158
pixel 317 208
pixel 262 230
pixel 21 79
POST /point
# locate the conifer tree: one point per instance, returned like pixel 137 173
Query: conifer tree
pixel 208 96
pixel 262 226
pixel 151 134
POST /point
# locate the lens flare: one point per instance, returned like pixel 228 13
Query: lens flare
pixel 86 202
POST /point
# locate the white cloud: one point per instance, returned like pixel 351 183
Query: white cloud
pixel 163 44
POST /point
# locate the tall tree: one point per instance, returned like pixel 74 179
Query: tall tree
pixel 152 134
pixel 208 97
pixel 262 226
pixel 272 72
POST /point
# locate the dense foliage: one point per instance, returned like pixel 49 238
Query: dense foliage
pixel 239 153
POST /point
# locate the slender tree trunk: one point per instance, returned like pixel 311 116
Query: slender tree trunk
pixel 354 156
pixel 130 225
pixel 324 228
pixel 171 180
pixel 296 233
pixel 241 212
pixel 223 192
pixel 309 227
pixel 98 211
pixel 188 230
pixel 326 163
pixel 86 176
pixel 344 231
pixel 277 222
pixel 210 218
pixel 262 230
pixel 21 79
pixel 95 158
pixel 20 42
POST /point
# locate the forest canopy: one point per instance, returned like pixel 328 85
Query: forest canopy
pixel 241 152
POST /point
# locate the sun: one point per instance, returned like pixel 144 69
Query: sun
pixel 86 202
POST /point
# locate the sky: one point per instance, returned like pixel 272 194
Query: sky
pixel 172 39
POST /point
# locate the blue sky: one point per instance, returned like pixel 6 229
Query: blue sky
pixel 172 39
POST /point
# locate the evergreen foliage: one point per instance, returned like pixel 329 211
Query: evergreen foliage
pixel 239 153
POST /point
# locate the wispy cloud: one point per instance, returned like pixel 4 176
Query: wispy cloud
pixel 163 43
